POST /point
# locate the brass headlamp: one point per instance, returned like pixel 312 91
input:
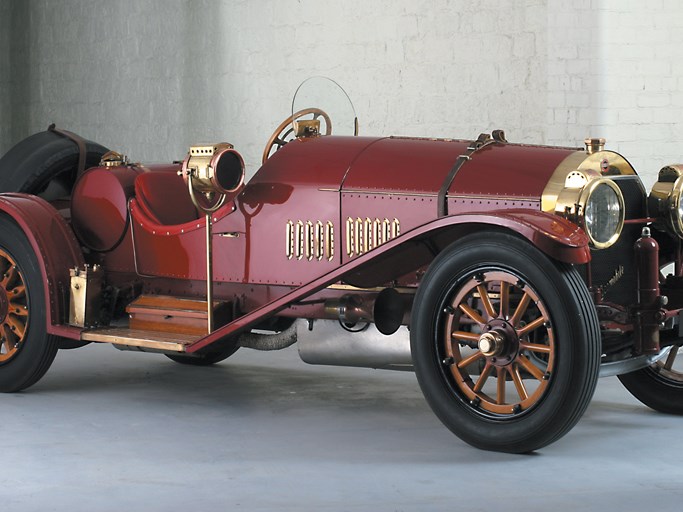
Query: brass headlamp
pixel 214 168
pixel 594 203
pixel 664 201
pixel 581 191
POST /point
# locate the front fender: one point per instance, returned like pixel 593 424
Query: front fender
pixel 559 238
pixel 56 249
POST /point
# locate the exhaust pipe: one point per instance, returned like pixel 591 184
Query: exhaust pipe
pixel 386 310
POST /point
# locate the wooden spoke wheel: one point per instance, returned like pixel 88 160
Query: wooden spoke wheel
pixel 659 386
pixel 13 307
pixel 26 350
pixel 505 343
pixel 498 343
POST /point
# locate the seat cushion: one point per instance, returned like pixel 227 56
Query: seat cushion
pixel 164 197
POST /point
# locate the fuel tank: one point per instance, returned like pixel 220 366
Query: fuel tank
pixel 99 214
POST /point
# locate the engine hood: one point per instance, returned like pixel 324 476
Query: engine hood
pixel 420 166
pixel 404 165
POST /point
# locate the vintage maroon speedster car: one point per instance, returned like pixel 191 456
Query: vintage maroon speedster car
pixel 508 276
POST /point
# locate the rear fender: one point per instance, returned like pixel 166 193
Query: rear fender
pixel 558 238
pixel 56 249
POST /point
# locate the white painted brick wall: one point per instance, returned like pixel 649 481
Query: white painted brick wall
pixel 624 56
pixel 151 77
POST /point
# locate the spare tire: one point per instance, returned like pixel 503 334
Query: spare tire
pixel 45 164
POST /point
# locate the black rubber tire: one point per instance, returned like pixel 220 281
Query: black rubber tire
pixel 38 349
pixel 45 164
pixel 657 388
pixel 205 359
pixel 576 333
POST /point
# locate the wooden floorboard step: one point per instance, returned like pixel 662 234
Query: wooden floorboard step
pixel 170 342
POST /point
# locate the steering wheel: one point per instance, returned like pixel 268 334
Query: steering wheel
pixel 284 133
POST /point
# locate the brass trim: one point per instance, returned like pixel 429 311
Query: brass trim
pixel 319 249
pixel 306 127
pixel 664 201
pixel 574 180
pixel 289 239
pixel 593 145
pixel 299 240
pixel 85 293
pixel 368 234
pixel 558 179
pixel 572 201
pixel 329 240
pixel 309 240
pixel 585 197
pixel 591 165
pixel 314 241
pixel 364 235
pixel 113 159
pixel 358 231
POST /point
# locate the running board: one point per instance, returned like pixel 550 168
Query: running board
pixel 121 336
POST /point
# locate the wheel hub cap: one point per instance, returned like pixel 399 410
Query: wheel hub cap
pixel 499 343
pixel 491 343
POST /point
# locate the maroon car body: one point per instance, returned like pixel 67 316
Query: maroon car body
pixel 523 272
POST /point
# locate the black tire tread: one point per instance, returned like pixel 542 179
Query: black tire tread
pixel 31 163
pixel 654 390
pixel 585 327
pixel 32 362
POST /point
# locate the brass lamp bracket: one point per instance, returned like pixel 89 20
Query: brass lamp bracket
pixel 215 171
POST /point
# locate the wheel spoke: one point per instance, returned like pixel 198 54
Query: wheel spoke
pixel 504 299
pixel 18 291
pixel 473 314
pixel 535 347
pixel 16 326
pixel 517 379
pixel 521 309
pixel 500 398
pixel 486 301
pixel 470 359
pixel 18 309
pixel 465 336
pixel 531 326
pixel 530 367
pixel 483 378
pixel 9 276
pixel 668 364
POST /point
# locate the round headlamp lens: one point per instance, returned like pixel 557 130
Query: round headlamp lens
pixel 603 214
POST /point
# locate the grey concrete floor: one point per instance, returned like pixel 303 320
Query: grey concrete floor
pixel 111 431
